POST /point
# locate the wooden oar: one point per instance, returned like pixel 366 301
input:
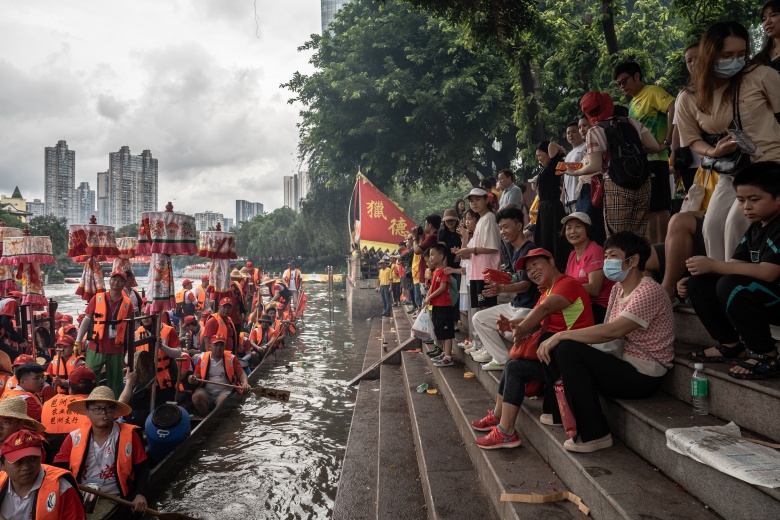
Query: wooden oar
pixel 159 514
pixel 269 393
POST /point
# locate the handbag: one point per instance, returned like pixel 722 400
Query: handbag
pixel 567 417
pixel 597 191
pixel 733 162
pixel 700 192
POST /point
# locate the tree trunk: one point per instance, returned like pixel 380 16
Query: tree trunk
pixel 608 23
pixel 527 83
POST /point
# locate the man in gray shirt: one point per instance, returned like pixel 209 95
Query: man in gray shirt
pixel 511 195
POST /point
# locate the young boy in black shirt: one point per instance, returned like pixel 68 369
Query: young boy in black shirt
pixel 738 300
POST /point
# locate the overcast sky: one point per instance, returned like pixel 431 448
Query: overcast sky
pixel 189 80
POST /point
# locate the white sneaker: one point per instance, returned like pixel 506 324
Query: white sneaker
pixel 547 418
pixel 492 365
pixel 482 356
pixel 471 347
pixel 477 351
pixel 590 446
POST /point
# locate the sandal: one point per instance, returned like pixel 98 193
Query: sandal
pixel 766 368
pixel 728 354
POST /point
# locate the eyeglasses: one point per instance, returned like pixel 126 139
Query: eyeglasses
pixel 102 410
pixel 622 82
pixel 39 377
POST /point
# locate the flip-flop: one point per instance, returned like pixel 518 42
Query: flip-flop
pixel 728 354
pixel 766 368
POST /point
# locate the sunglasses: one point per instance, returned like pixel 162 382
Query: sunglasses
pixel 622 82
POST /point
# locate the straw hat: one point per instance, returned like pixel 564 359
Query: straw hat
pixel 235 273
pixel 245 273
pixel 266 281
pixel 100 394
pixel 5 363
pixel 16 408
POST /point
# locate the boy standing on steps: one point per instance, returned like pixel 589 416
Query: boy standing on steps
pixel 438 299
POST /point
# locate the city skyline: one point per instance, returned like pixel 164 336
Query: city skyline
pixel 201 90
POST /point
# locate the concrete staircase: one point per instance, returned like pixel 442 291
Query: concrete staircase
pixel 638 478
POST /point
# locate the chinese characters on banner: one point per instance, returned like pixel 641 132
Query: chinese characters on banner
pixel 382 223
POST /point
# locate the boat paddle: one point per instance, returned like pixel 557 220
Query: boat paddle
pixel 159 514
pixel 269 393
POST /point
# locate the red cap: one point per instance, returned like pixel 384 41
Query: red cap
pixel 23 359
pixel 15 294
pixel 57 316
pixel 69 327
pixel 204 278
pixel 520 264
pixel 43 315
pixel 249 264
pixel 81 317
pixel 23 443
pixel 205 313
pixel 81 375
pixel 67 318
pixel 65 341
pixel 216 338
pixel 119 273
pixel 189 320
pixel 225 301
pixel 185 282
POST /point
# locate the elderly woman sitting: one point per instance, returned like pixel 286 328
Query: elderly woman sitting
pixel 563 305
pixel 641 315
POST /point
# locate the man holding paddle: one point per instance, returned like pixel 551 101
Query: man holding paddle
pixel 220 368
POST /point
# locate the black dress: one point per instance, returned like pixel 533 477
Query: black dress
pixel 551 212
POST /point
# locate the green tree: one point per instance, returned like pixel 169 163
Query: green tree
pixel 53 227
pixel 130 230
pixel 10 220
pixel 399 96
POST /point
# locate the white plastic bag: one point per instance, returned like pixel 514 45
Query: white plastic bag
pixel 423 326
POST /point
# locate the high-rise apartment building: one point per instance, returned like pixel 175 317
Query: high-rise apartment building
pixel 86 201
pixel 245 210
pixel 329 10
pixel 131 187
pixel 36 207
pixel 227 224
pixel 60 181
pixel 291 191
pixel 101 198
pixel 207 221
pixel 303 185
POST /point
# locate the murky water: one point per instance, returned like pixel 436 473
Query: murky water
pixel 274 460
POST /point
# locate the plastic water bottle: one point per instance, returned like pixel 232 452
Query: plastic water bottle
pixel 422 388
pixel 700 387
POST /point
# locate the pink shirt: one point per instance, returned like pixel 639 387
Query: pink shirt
pixel 591 260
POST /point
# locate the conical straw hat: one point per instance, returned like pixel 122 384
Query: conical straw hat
pixel 16 408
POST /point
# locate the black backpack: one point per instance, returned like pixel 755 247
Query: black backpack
pixel 628 166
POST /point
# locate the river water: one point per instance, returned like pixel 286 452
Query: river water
pixel 273 460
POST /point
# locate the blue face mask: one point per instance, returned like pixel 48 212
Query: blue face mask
pixel 613 270
pixel 728 68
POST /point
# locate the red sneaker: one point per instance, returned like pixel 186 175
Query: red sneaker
pixel 498 439
pixel 486 423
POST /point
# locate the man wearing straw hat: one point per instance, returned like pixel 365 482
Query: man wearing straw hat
pixel 13 417
pixel 106 454
pixel 32 490
pixel 216 366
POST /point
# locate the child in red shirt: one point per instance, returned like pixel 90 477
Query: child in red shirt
pixel 440 304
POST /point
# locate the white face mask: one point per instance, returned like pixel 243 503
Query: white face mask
pixel 728 68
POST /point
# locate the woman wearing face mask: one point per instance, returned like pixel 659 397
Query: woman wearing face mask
pixel 640 314
pixel 707 109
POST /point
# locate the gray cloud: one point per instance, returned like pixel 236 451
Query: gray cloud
pixel 110 107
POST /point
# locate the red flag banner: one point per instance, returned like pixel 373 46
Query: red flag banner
pixel 382 223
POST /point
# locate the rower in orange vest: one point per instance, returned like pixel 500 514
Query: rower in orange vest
pixel 31 382
pixel 221 367
pixel 221 324
pixel 203 295
pixel 169 349
pixel 63 363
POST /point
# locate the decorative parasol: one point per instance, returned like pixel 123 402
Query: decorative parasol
pixel 91 244
pixel 127 246
pixel 220 247
pixel 7 281
pixel 163 234
pixel 28 253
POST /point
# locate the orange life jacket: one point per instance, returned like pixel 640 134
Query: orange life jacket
pixel 4 376
pixel 70 365
pixel 288 274
pixel 47 502
pixel 57 418
pixel 180 296
pixel 82 438
pixel 228 360
pixel 222 330
pixel 101 307
pixel 11 382
pixel 164 378
pixel 201 298
pixel 11 392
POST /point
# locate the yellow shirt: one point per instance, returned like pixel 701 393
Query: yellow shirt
pixel 384 276
pixel 415 268
pixel 534 207
pixel 394 271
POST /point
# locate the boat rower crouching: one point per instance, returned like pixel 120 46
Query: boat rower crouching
pixel 217 366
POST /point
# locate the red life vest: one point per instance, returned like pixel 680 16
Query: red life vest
pixel 47 502
pixel 81 440
pixel 101 307
pixel 228 360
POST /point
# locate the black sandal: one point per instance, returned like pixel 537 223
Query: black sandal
pixel 728 354
pixel 766 368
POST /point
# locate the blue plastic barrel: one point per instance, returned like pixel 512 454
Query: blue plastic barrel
pixel 166 427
